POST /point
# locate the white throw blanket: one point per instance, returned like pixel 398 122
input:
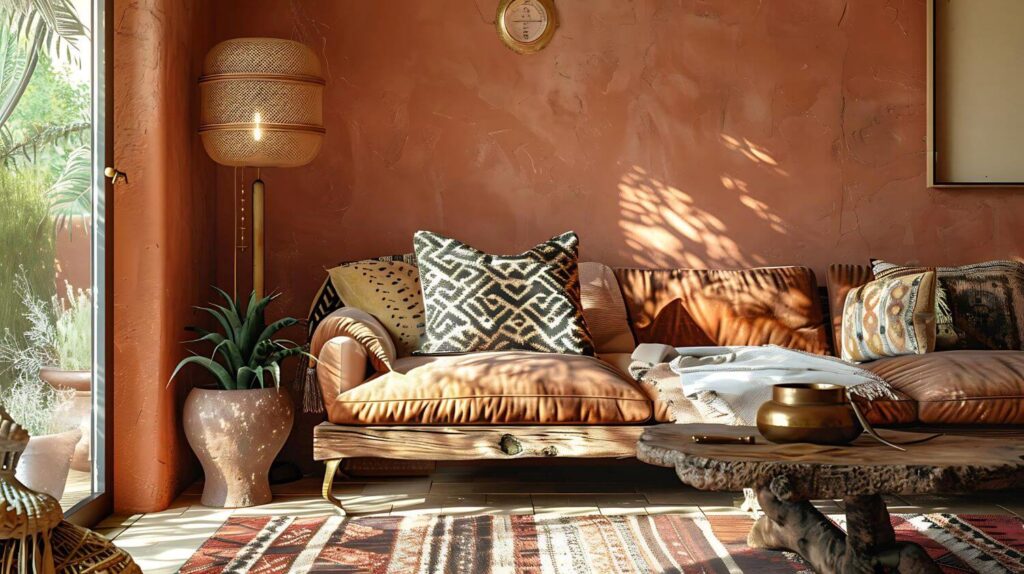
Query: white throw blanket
pixel 728 384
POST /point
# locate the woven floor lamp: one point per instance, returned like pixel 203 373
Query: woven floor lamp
pixel 262 105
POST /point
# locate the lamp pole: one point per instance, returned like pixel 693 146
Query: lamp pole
pixel 258 197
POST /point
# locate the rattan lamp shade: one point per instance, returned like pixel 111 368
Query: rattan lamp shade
pixel 262 103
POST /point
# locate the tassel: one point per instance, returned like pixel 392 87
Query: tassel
pixel 299 381
pixel 306 385
pixel 312 399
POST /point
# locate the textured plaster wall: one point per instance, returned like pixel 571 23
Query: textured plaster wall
pixel 717 133
pixel 163 225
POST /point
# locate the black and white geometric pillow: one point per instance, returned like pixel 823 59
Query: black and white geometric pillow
pixel 480 302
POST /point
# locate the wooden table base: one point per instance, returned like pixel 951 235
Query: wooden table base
pixel 869 546
pixel 787 476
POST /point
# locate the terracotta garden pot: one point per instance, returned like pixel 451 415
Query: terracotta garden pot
pixel 80 413
pixel 236 435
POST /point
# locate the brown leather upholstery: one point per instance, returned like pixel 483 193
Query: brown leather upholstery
pixel 604 310
pixel 687 307
pixel 510 387
pixel 888 412
pixel 960 387
pixel 841 279
pixel 621 361
pixel 340 366
pixel 359 326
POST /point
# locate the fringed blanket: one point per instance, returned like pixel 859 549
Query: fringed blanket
pixel 727 385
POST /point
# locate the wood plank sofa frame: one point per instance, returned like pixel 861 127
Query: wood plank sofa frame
pixel 334 443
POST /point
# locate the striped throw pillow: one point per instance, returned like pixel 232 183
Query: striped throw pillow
pixel 890 317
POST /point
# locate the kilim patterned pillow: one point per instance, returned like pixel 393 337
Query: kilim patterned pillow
pixel 981 306
pixel 890 317
pixel 480 302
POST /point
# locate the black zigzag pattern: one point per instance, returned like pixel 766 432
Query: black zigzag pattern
pixel 480 302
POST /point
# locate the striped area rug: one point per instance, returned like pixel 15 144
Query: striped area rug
pixel 584 544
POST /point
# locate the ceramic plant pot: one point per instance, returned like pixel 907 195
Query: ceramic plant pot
pixel 80 413
pixel 45 464
pixel 236 435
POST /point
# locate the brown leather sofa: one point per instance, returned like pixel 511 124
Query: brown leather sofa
pixel 522 404
pixel 947 387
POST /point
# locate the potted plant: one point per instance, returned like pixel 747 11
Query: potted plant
pixel 48 412
pixel 70 366
pixel 238 425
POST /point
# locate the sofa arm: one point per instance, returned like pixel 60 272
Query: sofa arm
pixel 341 366
pixel 342 344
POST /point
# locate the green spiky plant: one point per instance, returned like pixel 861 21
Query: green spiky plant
pixel 245 353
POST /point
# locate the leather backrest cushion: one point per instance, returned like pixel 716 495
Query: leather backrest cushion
pixel 693 307
pixel 841 279
pixel 604 310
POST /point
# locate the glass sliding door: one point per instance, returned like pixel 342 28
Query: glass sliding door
pixel 52 256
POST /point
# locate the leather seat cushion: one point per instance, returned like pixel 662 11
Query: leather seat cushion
pixel 960 387
pixel 508 387
pixel 659 408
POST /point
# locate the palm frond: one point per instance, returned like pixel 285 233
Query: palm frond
pixel 39 137
pixel 18 83
pixel 71 194
pixel 63 29
pixel 13 60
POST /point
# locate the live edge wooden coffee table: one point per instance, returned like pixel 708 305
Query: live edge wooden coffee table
pixel 787 476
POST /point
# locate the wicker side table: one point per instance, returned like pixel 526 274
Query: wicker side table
pixel 34 537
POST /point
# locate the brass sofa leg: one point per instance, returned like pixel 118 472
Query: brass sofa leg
pixel 328 494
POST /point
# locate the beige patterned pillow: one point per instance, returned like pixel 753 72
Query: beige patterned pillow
pixel 890 317
pixel 388 290
pixel 980 306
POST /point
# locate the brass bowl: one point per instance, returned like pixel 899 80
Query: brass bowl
pixel 808 412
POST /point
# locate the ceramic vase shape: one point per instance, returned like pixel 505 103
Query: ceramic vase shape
pixel 80 412
pixel 236 435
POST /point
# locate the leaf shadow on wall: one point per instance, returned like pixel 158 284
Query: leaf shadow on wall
pixel 664 226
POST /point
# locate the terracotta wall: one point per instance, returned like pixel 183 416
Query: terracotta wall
pixel 716 133
pixel 163 226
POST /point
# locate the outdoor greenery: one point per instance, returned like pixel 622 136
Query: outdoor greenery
pixel 245 354
pixel 45 178
pixel 57 336
pixel 26 249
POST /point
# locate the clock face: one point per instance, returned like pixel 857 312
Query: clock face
pixel 525 20
pixel 526 25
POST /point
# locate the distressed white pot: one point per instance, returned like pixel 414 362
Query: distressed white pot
pixel 236 435
pixel 78 413
pixel 45 464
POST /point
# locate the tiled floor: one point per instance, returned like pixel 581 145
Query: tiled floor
pixel 78 487
pixel 163 541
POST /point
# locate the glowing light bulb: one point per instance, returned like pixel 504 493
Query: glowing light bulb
pixel 257 131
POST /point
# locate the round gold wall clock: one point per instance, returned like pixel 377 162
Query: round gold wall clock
pixel 526 26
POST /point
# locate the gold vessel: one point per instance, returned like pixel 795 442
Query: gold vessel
pixel 807 412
